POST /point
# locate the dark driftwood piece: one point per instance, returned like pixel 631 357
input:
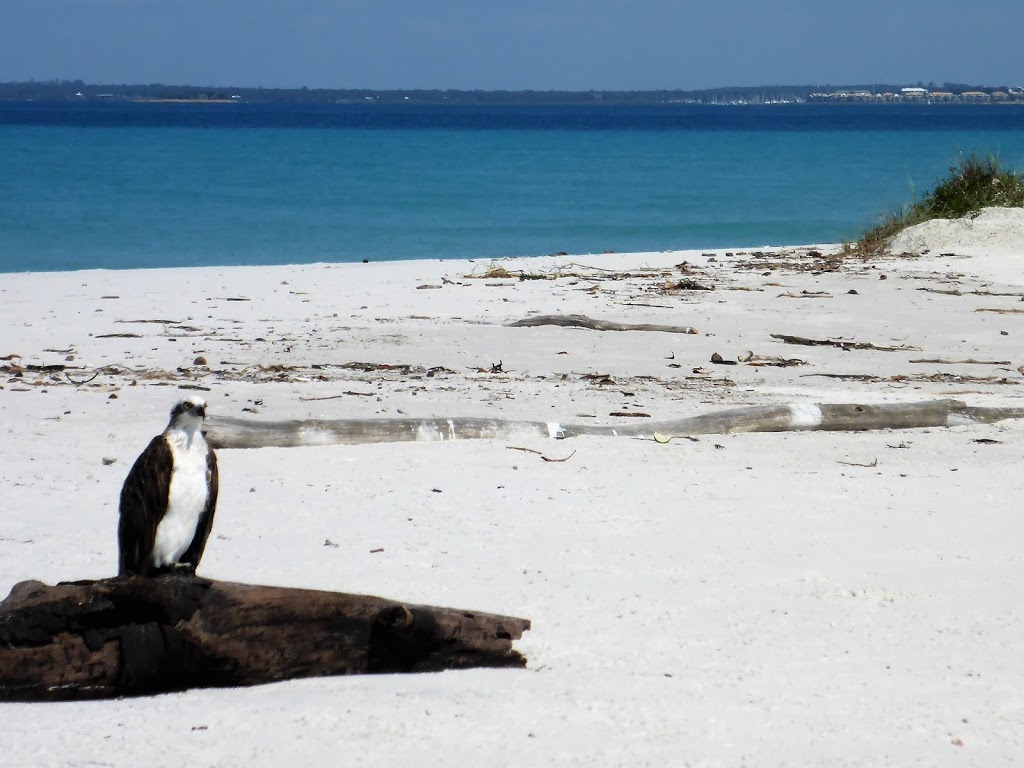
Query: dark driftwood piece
pixel 844 345
pixel 225 432
pixel 582 321
pixel 132 636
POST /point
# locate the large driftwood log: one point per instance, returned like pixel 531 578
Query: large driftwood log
pixel 132 636
pixel 224 432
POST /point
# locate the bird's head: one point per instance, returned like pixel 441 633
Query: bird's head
pixel 188 413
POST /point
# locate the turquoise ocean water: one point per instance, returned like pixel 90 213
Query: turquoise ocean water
pixel 147 185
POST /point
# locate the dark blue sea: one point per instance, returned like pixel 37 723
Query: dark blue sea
pixel 126 185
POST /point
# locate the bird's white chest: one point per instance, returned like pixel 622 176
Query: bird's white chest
pixel 186 500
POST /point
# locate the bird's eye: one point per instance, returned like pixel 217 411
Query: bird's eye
pixel 187 406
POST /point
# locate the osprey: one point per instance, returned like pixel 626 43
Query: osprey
pixel 168 498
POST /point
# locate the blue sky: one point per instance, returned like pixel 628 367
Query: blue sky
pixel 513 44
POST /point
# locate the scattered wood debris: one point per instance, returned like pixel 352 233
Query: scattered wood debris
pixel 931 378
pixel 773 361
pixel 866 377
pixel 571 271
pixel 493 272
pixel 687 284
pixel 840 343
pixel 598 378
pixel 154 322
pixel 793 260
pixel 956 378
pixel 107 375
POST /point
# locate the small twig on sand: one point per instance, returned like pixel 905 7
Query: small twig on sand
pixel 540 453
pixel 80 383
pixel 663 439
pixel 805 295
pixel 158 321
pixel 347 393
pixel 559 461
pixel 857 464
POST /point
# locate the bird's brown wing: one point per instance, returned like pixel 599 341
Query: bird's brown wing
pixel 194 552
pixel 143 503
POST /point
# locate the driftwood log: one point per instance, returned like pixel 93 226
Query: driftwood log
pixel 132 636
pixel 582 321
pixel 224 432
pixel 840 343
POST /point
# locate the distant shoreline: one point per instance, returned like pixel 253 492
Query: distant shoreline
pixel 838 105
pixel 879 93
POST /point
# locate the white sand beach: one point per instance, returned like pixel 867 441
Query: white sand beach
pixel 801 598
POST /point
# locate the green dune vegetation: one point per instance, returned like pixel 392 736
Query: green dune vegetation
pixel 974 183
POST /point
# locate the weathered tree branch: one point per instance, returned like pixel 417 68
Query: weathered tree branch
pixel 840 343
pixel 226 432
pixel 582 321
pixel 131 636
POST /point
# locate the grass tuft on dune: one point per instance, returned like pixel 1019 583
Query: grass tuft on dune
pixel 971 185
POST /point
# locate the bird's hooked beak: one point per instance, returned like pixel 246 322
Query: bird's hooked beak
pixel 201 410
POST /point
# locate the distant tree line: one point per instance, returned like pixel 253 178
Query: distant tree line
pixel 69 90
